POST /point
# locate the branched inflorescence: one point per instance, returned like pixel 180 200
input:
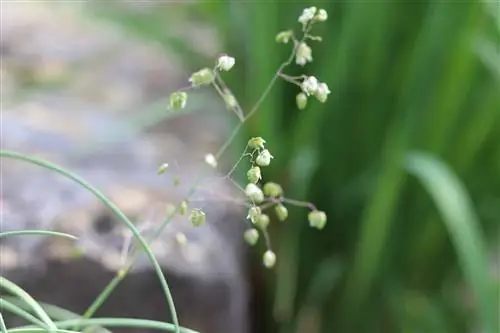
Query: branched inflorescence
pixel 270 195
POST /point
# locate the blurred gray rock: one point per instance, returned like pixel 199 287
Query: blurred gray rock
pixel 86 129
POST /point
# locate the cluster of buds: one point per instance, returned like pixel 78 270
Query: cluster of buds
pixel 202 77
pixel 269 194
pixel 310 85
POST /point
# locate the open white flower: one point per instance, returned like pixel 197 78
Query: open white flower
pixel 310 85
pixel 303 55
pixel 322 92
pixel 307 15
pixel 225 62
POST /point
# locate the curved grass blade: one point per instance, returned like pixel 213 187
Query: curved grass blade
pixel 463 225
pixel 19 292
pixel 36 233
pixel 116 211
pixel 19 311
pixel 121 322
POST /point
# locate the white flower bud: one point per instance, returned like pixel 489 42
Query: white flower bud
pixel 281 212
pixel 254 174
pixel 201 77
pixel 307 15
pixel 310 85
pixel 273 190
pixel 303 55
pixel 317 219
pixel 197 217
pixel 210 160
pixel 225 63
pixel 254 193
pixel 322 92
pixel 264 158
pixel 255 143
pixel 321 16
pixel 253 213
pixel 178 100
pixel 269 259
pixel 301 100
pixel 284 36
pixel 251 236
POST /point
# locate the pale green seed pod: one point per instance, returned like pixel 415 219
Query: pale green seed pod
pixel 197 217
pixel 317 219
pixel 264 158
pixel 251 236
pixel 301 100
pixel 269 259
pixel 254 193
pixel 262 221
pixel 256 143
pixel 254 175
pixel 183 208
pixel 254 213
pixel 272 190
pixel 178 100
pixel 202 77
pixel 281 212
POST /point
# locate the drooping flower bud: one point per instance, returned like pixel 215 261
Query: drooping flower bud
pixel 264 158
pixel 178 100
pixel 317 219
pixel 254 175
pixel 253 213
pixel 281 212
pixel 251 236
pixel 202 77
pixel 163 168
pixel 254 193
pixel 301 100
pixel 256 143
pixel 272 190
pixel 225 62
pixel 262 221
pixel 269 259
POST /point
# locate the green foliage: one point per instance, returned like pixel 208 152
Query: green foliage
pixel 404 76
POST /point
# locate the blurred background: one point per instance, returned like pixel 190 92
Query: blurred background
pixel 404 157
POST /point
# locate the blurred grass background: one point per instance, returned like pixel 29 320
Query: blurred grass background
pixel 404 157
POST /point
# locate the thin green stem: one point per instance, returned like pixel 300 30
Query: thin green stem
pixel 116 211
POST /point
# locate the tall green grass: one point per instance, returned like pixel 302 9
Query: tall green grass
pixel 405 158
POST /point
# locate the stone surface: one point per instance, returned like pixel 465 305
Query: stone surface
pixel 70 88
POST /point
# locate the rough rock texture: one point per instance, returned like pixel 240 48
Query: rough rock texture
pixel 68 86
